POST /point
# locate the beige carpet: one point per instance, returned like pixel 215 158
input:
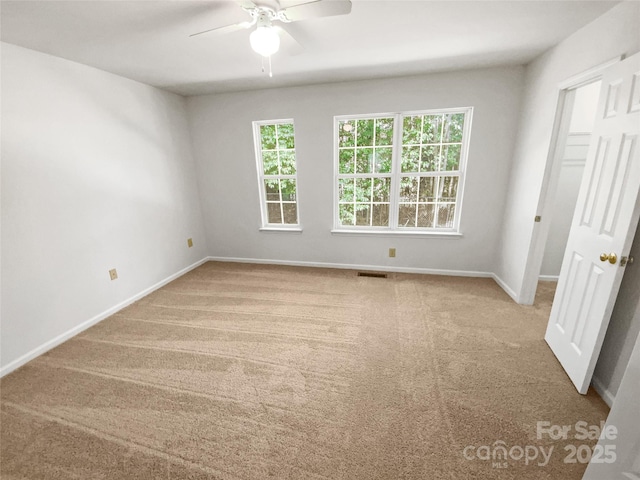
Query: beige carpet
pixel 255 372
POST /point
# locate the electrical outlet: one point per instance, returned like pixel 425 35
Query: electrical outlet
pixel 190 242
pixel 113 274
pixel 392 252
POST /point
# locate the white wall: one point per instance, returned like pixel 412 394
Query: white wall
pixel 97 173
pixel 614 33
pixel 223 146
pixel 564 203
pixel 585 105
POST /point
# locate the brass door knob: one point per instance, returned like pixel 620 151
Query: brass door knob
pixel 612 257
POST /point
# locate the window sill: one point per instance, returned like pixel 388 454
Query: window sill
pixel 297 230
pixel 397 233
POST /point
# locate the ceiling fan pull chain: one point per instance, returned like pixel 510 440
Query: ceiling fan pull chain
pixel 270 71
pixel 262 61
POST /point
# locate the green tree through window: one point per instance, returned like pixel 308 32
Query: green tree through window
pixel 276 159
pixel 365 157
pixel 408 181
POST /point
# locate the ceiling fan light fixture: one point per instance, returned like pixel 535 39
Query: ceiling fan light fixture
pixel 265 40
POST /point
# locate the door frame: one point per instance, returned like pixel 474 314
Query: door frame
pixel 566 95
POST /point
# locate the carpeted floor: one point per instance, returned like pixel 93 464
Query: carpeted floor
pixel 252 372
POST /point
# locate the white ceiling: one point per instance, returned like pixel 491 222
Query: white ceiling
pixel 149 41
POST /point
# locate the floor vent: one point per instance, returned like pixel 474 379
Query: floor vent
pixel 372 274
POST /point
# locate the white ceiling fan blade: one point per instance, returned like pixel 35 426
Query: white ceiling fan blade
pixel 246 4
pixel 317 8
pixel 225 29
pixel 291 45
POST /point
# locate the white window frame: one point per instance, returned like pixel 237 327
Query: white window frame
pixel 393 228
pixel 264 214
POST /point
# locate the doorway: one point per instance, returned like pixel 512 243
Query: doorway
pixel 564 115
pixel 572 147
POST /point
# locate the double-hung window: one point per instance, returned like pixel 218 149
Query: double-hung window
pixel 276 164
pixel 401 172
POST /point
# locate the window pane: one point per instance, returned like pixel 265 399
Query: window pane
pixel 276 159
pixel 363 214
pixel 346 187
pixel 287 162
pixel 383 160
pixel 347 164
pixel 431 129
pixel 429 158
pixel 363 189
pixel 411 130
pixel 268 137
pixel 346 214
pixel 408 189
pixel 288 188
pixel 270 163
pixel 364 157
pixel 407 215
pixel 426 214
pixel 427 191
pixel 445 215
pixel 365 133
pixel 451 157
pixel 347 131
pixel 272 190
pixel 380 215
pixel 426 175
pixel 290 213
pixel 410 159
pixel 448 189
pixel 381 189
pixel 285 135
pixel 453 125
pixel 384 131
pixel 273 213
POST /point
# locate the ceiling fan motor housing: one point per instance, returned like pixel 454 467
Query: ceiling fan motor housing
pixel 264 16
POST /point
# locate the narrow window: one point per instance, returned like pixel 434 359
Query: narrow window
pixel 276 163
pixel 365 155
pixel 430 170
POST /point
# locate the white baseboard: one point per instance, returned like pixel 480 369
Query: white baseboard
pixel 606 395
pixel 349 266
pixel 384 268
pixel 17 363
pixel 548 278
pixel 508 290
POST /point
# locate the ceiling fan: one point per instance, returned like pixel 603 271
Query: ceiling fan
pixel 265 39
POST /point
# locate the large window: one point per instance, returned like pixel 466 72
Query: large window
pixel 276 163
pixel 401 172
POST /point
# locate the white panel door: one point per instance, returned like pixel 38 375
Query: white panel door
pixel 602 230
